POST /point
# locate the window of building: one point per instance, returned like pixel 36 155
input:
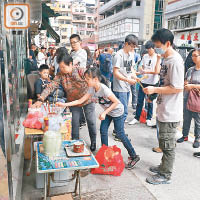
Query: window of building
pixel 90 25
pixel 138 2
pixel 67 22
pixel 63 5
pixel 61 21
pixel 119 8
pixel 128 4
pixel 56 28
pixel 64 37
pixel 64 29
pixel 159 5
pixel 82 32
pixel 90 33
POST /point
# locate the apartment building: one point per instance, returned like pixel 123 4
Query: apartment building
pixel 76 17
pixel 84 22
pixel 120 18
pixel 62 24
pixel 183 18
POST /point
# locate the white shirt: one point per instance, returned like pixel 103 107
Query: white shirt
pixel 79 57
pixel 41 58
pixel 149 63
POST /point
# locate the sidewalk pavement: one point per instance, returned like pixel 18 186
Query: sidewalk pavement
pixel 131 184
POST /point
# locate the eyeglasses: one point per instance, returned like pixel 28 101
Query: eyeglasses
pixel 74 42
pixel 195 56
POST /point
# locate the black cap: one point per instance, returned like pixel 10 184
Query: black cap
pixel 43 48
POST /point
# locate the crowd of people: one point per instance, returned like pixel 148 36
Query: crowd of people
pixel 109 77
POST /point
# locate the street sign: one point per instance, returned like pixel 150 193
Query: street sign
pixel 17 16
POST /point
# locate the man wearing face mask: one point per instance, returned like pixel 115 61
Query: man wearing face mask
pixel 149 61
pixel 169 104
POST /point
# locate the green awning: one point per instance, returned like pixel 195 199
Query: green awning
pixel 46 26
pixel 47 12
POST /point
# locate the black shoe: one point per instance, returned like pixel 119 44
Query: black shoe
pixel 114 133
pixel 132 162
pixel 154 169
pixel 196 143
pixel 93 147
pixel 197 154
pixel 83 123
pixel 182 139
pixel 118 139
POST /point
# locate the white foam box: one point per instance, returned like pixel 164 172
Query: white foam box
pixel 62 175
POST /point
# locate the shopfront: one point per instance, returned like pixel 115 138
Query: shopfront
pixel 13 100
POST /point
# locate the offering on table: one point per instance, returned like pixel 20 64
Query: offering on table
pixel 52 143
pixel 66 126
pixel 33 119
pixel 78 147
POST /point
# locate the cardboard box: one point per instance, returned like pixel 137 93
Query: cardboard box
pixel 63 197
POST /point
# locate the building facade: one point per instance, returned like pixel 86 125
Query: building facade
pixel 183 18
pixel 120 18
pixel 76 17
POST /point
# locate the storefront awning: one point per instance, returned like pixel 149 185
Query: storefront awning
pixel 47 12
pixel 46 26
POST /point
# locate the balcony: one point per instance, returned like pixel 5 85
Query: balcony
pixel 112 3
pixel 79 21
pixel 90 21
pixel 79 13
pixel 182 7
pixel 184 23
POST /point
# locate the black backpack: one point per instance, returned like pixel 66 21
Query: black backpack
pixel 107 64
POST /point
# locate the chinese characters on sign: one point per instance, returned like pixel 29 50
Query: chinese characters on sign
pixel 190 37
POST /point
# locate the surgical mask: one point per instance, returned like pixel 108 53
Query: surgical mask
pixel 160 51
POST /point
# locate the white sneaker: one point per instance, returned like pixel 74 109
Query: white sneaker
pixel 134 121
pixel 126 121
pixel 149 123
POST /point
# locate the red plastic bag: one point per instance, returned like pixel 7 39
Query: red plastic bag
pixel 32 120
pixel 110 161
pixel 143 116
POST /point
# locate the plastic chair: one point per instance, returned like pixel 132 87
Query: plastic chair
pixel 31 79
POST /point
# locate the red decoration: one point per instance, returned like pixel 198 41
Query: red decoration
pixel 182 37
pixel 189 37
pixel 196 37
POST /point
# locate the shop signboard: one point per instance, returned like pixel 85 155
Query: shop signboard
pixel 191 38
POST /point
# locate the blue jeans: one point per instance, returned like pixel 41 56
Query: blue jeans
pixel 140 104
pixel 187 118
pixel 90 116
pixel 124 99
pixel 134 96
pixel 119 127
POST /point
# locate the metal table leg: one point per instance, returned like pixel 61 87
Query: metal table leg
pixel 28 172
pixel 77 181
pixel 48 185
pixel 45 185
pixel 78 184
